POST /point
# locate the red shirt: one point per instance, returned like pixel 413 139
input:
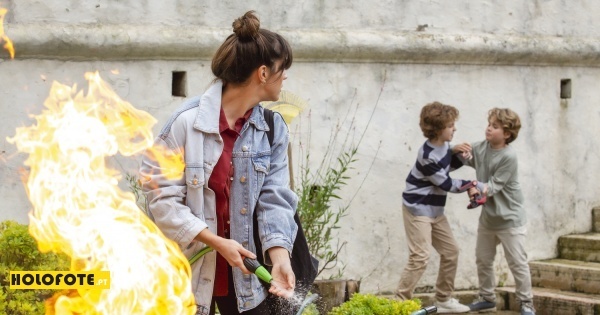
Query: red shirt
pixel 220 182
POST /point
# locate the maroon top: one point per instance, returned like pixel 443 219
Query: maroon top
pixel 220 182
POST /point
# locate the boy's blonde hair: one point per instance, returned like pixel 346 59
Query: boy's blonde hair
pixel 435 117
pixel 508 119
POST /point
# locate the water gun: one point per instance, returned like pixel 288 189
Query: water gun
pixel 477 199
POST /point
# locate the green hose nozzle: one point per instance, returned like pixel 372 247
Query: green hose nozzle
pixel 252 264
pixel 259 270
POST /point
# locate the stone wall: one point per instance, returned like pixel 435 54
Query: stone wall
pixel 474 56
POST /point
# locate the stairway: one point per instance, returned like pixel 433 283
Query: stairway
pixel 566 285
pixel 569 284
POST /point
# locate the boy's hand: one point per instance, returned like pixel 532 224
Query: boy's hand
pixel 464 149
pixel 472 192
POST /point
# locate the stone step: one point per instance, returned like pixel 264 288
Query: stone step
pixel 584 247
pixel 546 301
pixel 464 297
pixel 566 275
pixel 555 302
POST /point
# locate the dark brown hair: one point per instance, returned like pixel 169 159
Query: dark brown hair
pixel 435 117
pixel 508 119
pixel 248 48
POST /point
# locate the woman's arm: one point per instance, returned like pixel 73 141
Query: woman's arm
pixel 165 187
pixel 277 202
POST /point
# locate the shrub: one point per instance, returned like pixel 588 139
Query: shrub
pixel 368 304
pixel 19 252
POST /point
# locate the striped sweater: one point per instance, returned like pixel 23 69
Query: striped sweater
pixel 429 180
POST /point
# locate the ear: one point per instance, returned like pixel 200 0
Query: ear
pixel 262 73
pixel 506 135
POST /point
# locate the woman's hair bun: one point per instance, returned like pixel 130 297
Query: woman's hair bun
pixel 246 27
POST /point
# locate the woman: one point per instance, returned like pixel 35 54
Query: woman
pixel 231 171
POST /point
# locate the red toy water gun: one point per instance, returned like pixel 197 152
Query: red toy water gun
pixel 477 199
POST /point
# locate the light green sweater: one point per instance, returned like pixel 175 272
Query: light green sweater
pixel 499 170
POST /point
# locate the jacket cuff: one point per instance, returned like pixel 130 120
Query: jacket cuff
pixel 276 240
pixel 189 232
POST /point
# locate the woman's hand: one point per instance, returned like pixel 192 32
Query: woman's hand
pixel 234 253
pixel 231 250
pixel 284 279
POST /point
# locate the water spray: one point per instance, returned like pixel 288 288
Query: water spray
pixel 311 298
pixel 263 274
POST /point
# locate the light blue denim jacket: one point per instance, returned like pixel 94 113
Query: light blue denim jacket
pixel 182 208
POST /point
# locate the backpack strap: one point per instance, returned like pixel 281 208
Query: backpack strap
pixel 268 114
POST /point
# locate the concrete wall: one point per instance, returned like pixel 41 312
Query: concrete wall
pixel 474 56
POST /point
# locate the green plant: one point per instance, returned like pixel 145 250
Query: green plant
pixel 136 188
pixel 369 304
pixel 19 252
pixel 319 188
pixel 316 193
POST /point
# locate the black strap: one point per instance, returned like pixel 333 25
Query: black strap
pixel 305 266
pixel 271 123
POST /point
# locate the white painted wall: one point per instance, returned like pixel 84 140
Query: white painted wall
pixel 523 51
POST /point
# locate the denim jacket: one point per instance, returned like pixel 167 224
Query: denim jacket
pixel 184 207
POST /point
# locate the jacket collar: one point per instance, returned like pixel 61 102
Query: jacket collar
pixel 209 110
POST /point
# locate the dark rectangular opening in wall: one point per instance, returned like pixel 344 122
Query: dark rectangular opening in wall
pixel 565 88
pixel 178 87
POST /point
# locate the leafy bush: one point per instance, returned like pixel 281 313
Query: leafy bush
pixel 319 219
pixel 19 252
pixel 368 304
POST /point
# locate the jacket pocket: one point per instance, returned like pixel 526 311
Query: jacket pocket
pixel 261 169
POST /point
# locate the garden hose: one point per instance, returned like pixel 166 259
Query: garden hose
pixel 199 254
pixel 251 264
pixel 425 311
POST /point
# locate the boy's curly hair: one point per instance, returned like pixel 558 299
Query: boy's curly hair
pixel 435 117
pixel 508 119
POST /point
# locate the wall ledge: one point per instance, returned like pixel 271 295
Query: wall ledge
pixel 160 42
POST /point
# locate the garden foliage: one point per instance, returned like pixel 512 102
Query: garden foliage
pixel 369 304
pixel 19 252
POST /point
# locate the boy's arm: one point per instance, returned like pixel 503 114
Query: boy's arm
pixel 464 153
pixel 437 175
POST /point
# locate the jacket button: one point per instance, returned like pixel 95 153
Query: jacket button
pixel 247 304
pixel 245 148
pixel 243 211
pixel 195 181
pixel 243 179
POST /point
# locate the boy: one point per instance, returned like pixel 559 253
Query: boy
pixel 502 218
pixel 423 208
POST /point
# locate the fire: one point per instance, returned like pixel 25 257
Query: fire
pixel 78 208
pixel 8 45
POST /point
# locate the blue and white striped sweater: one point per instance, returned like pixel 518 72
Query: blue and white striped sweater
pixel 429 180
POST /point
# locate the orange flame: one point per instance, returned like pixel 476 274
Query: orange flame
pixel 8 45
pixel 79 209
